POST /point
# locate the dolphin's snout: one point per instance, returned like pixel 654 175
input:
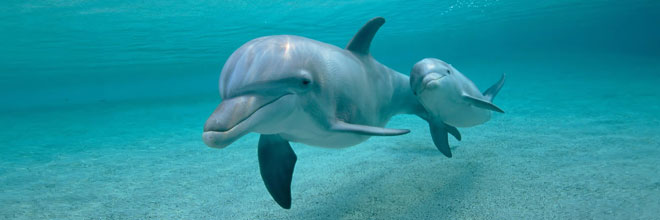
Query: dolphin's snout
pixel 425 72
pixel 426 81
pixel 216 139
pixel 229 113
pixel 430 78
pixel 231 119
pixel 222 127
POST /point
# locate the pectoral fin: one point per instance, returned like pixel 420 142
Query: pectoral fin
pixel 481 103
pixel 453 131
pixel 341 126
pixel 440 138
pixel 276 163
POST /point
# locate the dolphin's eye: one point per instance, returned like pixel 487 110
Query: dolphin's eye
pixel 448 72
pixel 304 79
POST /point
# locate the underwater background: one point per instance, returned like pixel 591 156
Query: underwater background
pixel 103 105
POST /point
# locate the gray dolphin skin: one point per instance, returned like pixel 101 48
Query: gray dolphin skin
pixel 294 89
pixel 450 99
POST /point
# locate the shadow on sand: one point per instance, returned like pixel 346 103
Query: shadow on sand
pixel 431 187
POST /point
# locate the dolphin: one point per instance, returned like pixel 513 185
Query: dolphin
pixel 294 89
pixel 450 99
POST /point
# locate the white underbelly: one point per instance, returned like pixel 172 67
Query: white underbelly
pixel 303 128
pixel 328 139
pixel 465 115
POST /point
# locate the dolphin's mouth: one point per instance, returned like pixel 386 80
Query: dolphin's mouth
pixel 226 124
pixel 231 112
pixel 426 82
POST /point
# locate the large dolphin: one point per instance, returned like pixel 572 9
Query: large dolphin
pixel 450 98
pixel 295 89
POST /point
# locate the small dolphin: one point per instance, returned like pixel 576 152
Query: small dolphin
pixel 450 99
pixel 295 89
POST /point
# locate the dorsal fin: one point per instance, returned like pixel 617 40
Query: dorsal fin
pixel 362 39
pixel 491 92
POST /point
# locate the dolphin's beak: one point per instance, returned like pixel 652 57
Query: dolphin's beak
pixel 430 78
pixel 231 119
pixel 420 85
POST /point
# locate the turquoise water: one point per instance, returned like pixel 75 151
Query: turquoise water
pixel 103 105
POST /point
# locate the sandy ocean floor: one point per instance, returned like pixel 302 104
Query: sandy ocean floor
pixel 579 141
